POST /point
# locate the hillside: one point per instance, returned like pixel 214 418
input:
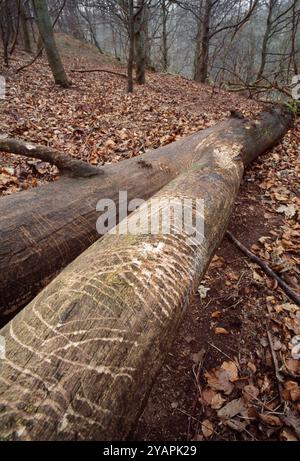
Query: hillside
pixel 228 320
pixel 96 120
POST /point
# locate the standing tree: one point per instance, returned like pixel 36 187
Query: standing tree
pixel 164 19
pixel 130 24
pixel 281 16
pixel 24 25
pixel 201 64
pixel 140 38
pixel 47 35
pixel 214 17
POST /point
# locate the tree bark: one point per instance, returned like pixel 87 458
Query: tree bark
pixel 165 60
pixel 25 29
pixel 201 70
pixel 44 229
pixel 130 46
pixel 81 358
pixel 266 39
pixel 47 35
pixel 140 29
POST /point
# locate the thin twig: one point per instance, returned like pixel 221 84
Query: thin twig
pixel 287 289
pixel 276 367
pixel 225 355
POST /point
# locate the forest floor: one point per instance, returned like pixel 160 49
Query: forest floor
pixel 219 381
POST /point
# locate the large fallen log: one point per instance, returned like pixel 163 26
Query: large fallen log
pixel 80 359
pixel 43 229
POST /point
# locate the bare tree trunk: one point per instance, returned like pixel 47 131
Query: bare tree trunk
pixel 5 29
pixel 264 51
pixel 80 360
pixel 40 45
pixel 164 11
pixel 201 70
pixel 91 28
pixel 47 35
pixel 16 37
pixel 25 29
pixel 140 29
pixel 295 26
pixel 131 46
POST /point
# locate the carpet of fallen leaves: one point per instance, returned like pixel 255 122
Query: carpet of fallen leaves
pixel 234 370
pixel 96 120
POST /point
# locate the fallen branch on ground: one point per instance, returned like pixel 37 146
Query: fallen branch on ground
pixel 264 266
pixel 84 71
pixel 66 164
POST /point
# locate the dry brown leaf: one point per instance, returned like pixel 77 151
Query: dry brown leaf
pixel 291 419
pixel 295 394
pixel 217 401
pixel 207 395
pixel 251 367
pixel 270 420
pixel 289 385
pixel 216 314
pixel 293 366
pixel 207 428
pixel 250 392
pixel 110 144
pixel 232 409
pixel 232 370
pixel 221 331
pixel 287 435
pixel 219 380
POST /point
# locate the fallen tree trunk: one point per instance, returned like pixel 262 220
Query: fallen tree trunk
pixel 81 358
pixel 43 229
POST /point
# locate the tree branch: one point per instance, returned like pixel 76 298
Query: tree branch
pixel 66 164
pixel 82 71
pixel 294 296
